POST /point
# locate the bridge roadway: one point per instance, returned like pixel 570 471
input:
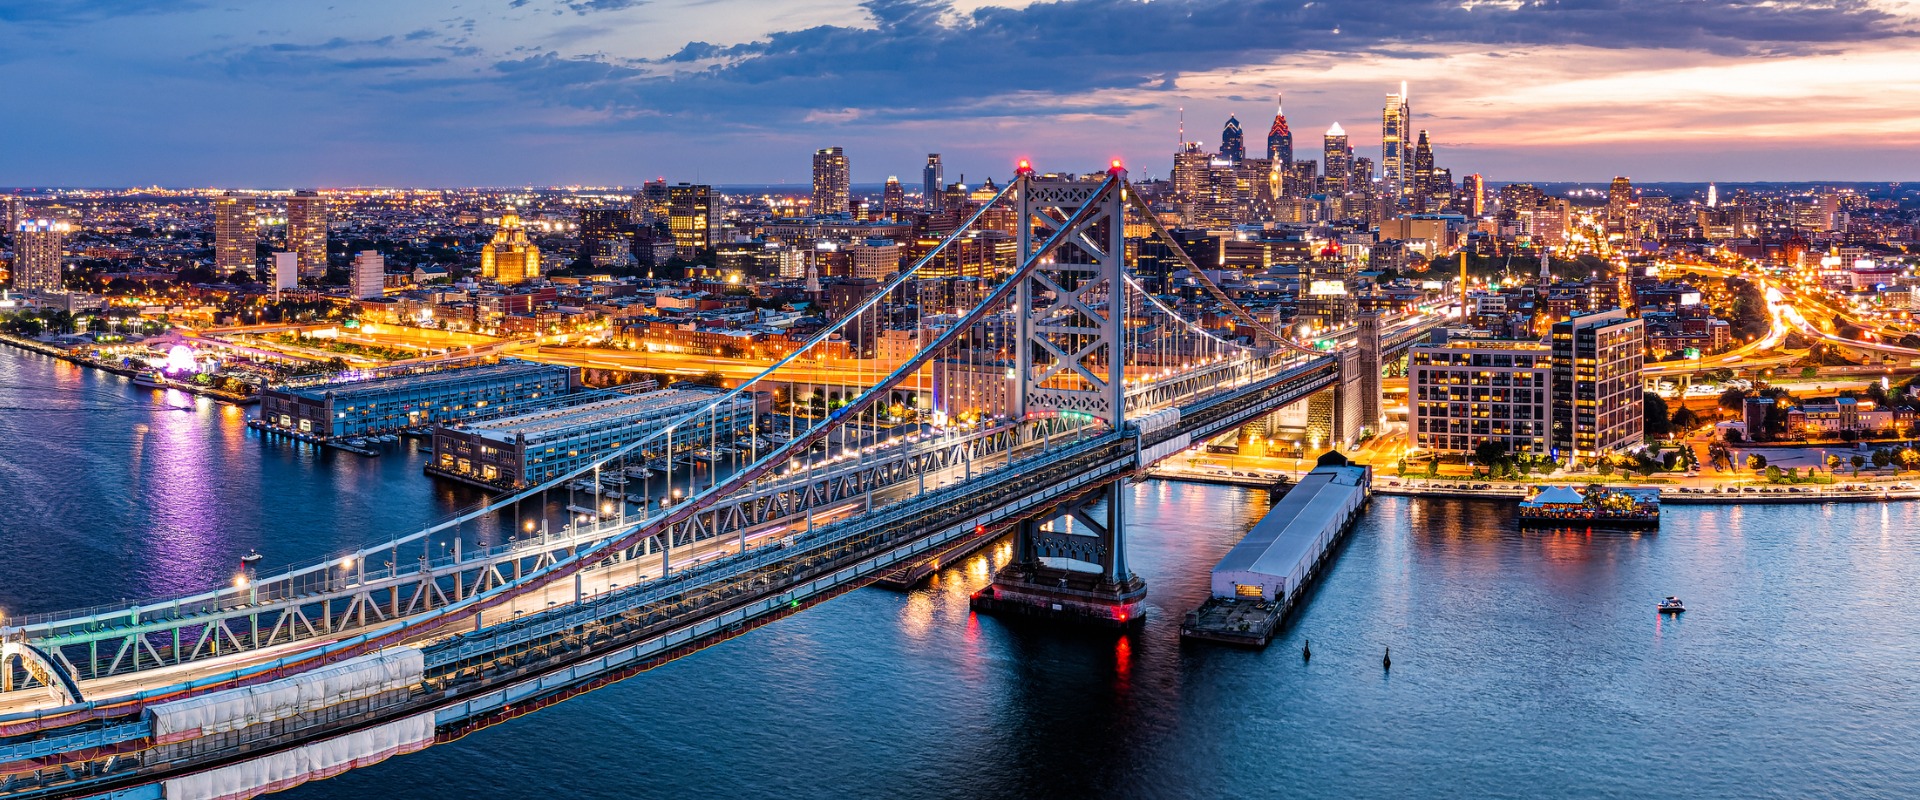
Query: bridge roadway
pixel 543 650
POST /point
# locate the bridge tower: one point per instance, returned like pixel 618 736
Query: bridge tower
pixel 1070 558
pixel 1372 405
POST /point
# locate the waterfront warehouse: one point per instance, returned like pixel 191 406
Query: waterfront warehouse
pixel 386 405
pixel 1280 551
pixel 523 449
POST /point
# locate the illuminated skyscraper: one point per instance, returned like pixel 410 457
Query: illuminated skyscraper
pixel 37 248
pixel 649 205
pixel 235 234
pixel 1338 159
pixel 1425 187
pixel 1395 129
pixel 511 257
pixel 1280 137
pixel 369 277
pixel 893 198
pixel 690 218
pixel 606 235
pixel 1620 206
pixel 1473 189
pixel 933 182
pixel 307 232
pixel 1713 195
pixel 13 211
pixel 1233 141
pixel 832 182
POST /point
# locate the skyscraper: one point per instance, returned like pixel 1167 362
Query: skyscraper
pixel 1395 127
pixel 1280 137
pixel 307 232
pixel 832 183
pixel 37 247
pixel 511 257
pixel 606 235
pixel 1338 159
pixel 690 218
pixel 893 198
pixel 1233 141
pixel 235 235
pixel 13 211
pixel 1424 185
pixel 1473 189
pixel 933 182
pixel 368 280
pixel 649 205
pixel 1620 205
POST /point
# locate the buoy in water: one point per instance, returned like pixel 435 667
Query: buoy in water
pixel 1306 651
pixel 1386 660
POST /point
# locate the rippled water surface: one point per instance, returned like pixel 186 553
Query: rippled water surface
pixel 1525 664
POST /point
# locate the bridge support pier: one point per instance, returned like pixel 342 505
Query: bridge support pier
pixel 1059 573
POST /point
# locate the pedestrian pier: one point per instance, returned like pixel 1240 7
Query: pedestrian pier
pixel 1262 576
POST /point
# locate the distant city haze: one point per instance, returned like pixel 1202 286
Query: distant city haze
pixel 604 92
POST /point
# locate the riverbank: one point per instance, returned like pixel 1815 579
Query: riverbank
pixel 45 349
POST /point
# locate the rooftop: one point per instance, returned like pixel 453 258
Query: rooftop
pixel 546 423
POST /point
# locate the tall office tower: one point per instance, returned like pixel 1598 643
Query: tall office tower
pixel 1620 205
pixel 649 205
pixel 1395 128
pixel 893 198
pixel 1338 159
pixel 690 218
pixel 1280 137
pixel 37 246
pixel 1473 191
pixel 235 234
pixel 1597 387
pixel 1713 195
pixel 933 182
pixel 369 278
pixel 286 270
pixel 832 183
pixel 511 257
pixel 1426 189
pixel 1190 170
pixel 1233 141
pixel 606 235
pixel 307 232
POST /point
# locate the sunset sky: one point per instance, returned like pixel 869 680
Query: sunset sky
pixel 509 92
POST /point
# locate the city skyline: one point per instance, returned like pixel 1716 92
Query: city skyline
pixel 606 92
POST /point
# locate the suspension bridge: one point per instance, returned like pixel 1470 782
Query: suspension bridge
pixel 1029 413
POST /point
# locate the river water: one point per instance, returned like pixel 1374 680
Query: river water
pixel 1525 664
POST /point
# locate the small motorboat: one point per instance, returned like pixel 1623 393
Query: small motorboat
pixel 251 558
pixel 1672 605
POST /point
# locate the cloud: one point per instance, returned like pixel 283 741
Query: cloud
pixel 923 59
pixel 585 7
pixel 79 11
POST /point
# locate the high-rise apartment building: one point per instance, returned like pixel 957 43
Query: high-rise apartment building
pixel 690 218
pixel 236 234
pixel 37 248
pixel 13 211
pixel 1233 141
pixel 511 257
pixel 1473 193
pixel 1468 392
pixel 307 232
pixel 832 182
pixel 1396 123
pixel 1597 388
pixel 1280 138
pixel 933 182
pixel 286 270
pixel 368 280
pixel 1338 158
pixel 606 235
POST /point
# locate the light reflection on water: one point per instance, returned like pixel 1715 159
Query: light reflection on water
pixel 1526 663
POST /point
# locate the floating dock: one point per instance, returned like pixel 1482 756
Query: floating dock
pixel 1262 576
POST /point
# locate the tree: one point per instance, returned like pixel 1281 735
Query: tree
pixel 1669 460
pixel 1756 462
pixel 1654 416
pixel 1733 435
pixel 1773 474
pixel 1433 467
pixel 1489 451
pixel 1605 467
pixel 1809 372
pixel 1733 399
pixel 1882 458
pixel 1858 461
pixel 1833 462
pixel 1684 419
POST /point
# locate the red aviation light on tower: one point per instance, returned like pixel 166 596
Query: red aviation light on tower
pixel 1025 168
pixel 1116 168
